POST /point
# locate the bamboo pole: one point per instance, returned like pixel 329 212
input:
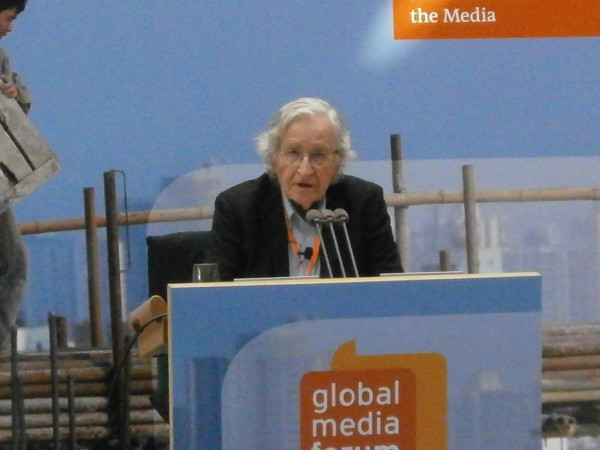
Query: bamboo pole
pixel 400 212
pixel 83 404
pixel 16 397
pixel 496 196
pixel 571 362
pixel 471 231
pixel 92 389
pixel 116 303
pixel 71 414
pixel 93 267
pixel 569 374
pixel 572 330
pixel 54 381
pixel 90 432
pixel 571 396
pixel 441 197
pixel 561 385
pixel 132 218
pixel 88 374
pixel 570 348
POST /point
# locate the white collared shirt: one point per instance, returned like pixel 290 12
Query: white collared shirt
pixel 305 235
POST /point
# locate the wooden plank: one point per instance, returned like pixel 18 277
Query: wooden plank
pixel 22 131
pixel 14 165
pixel 26 160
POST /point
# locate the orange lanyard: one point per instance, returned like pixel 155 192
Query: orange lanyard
pixel 296 249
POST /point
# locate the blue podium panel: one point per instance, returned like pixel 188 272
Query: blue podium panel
pixel 399 362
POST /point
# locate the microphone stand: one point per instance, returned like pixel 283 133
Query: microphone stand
pixel 329 218
pixel 314 216
pixel 342 216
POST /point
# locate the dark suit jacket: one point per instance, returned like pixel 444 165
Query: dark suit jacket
pixel 249 236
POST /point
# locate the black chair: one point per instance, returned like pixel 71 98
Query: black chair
pixel 171 259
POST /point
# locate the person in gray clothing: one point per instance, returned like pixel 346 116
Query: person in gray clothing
pixel 13 254
pixel 12 85
pixel 13 271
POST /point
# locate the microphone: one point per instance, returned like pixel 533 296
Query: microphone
pixel 307 253
pixel 315 217
pixel 342 216
pixel 329 218
pixel 327 215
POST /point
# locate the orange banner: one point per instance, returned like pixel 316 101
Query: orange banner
pixel 390 401
pixel 343 409
pixel 473 19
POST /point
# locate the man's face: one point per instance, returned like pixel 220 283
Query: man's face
pixel 7 17
pixel 306 163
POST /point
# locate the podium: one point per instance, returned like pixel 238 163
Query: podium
pixel 394 362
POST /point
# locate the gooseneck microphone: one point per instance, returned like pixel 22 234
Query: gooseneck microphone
pixel 315 217
pixel 329 219
pixel 342 216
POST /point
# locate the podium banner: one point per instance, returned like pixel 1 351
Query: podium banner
pixel 399 362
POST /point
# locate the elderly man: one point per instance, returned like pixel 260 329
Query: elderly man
pixel 260 228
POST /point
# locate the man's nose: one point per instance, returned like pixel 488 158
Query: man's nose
pixel 305 165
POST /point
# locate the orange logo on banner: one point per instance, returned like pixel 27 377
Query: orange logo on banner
pixel 471 19
pixel 358 409
pixel 386 402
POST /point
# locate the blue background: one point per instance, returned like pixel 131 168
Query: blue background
pixel 158 88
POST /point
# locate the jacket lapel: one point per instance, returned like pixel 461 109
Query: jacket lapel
pixel 275 243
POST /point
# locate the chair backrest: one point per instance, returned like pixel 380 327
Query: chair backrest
pixel 171 258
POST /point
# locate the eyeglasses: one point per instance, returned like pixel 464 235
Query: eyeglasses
pixel 317 159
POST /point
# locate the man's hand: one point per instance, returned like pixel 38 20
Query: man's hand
pixel 9 88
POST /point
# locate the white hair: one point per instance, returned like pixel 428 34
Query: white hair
pixel 268 142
